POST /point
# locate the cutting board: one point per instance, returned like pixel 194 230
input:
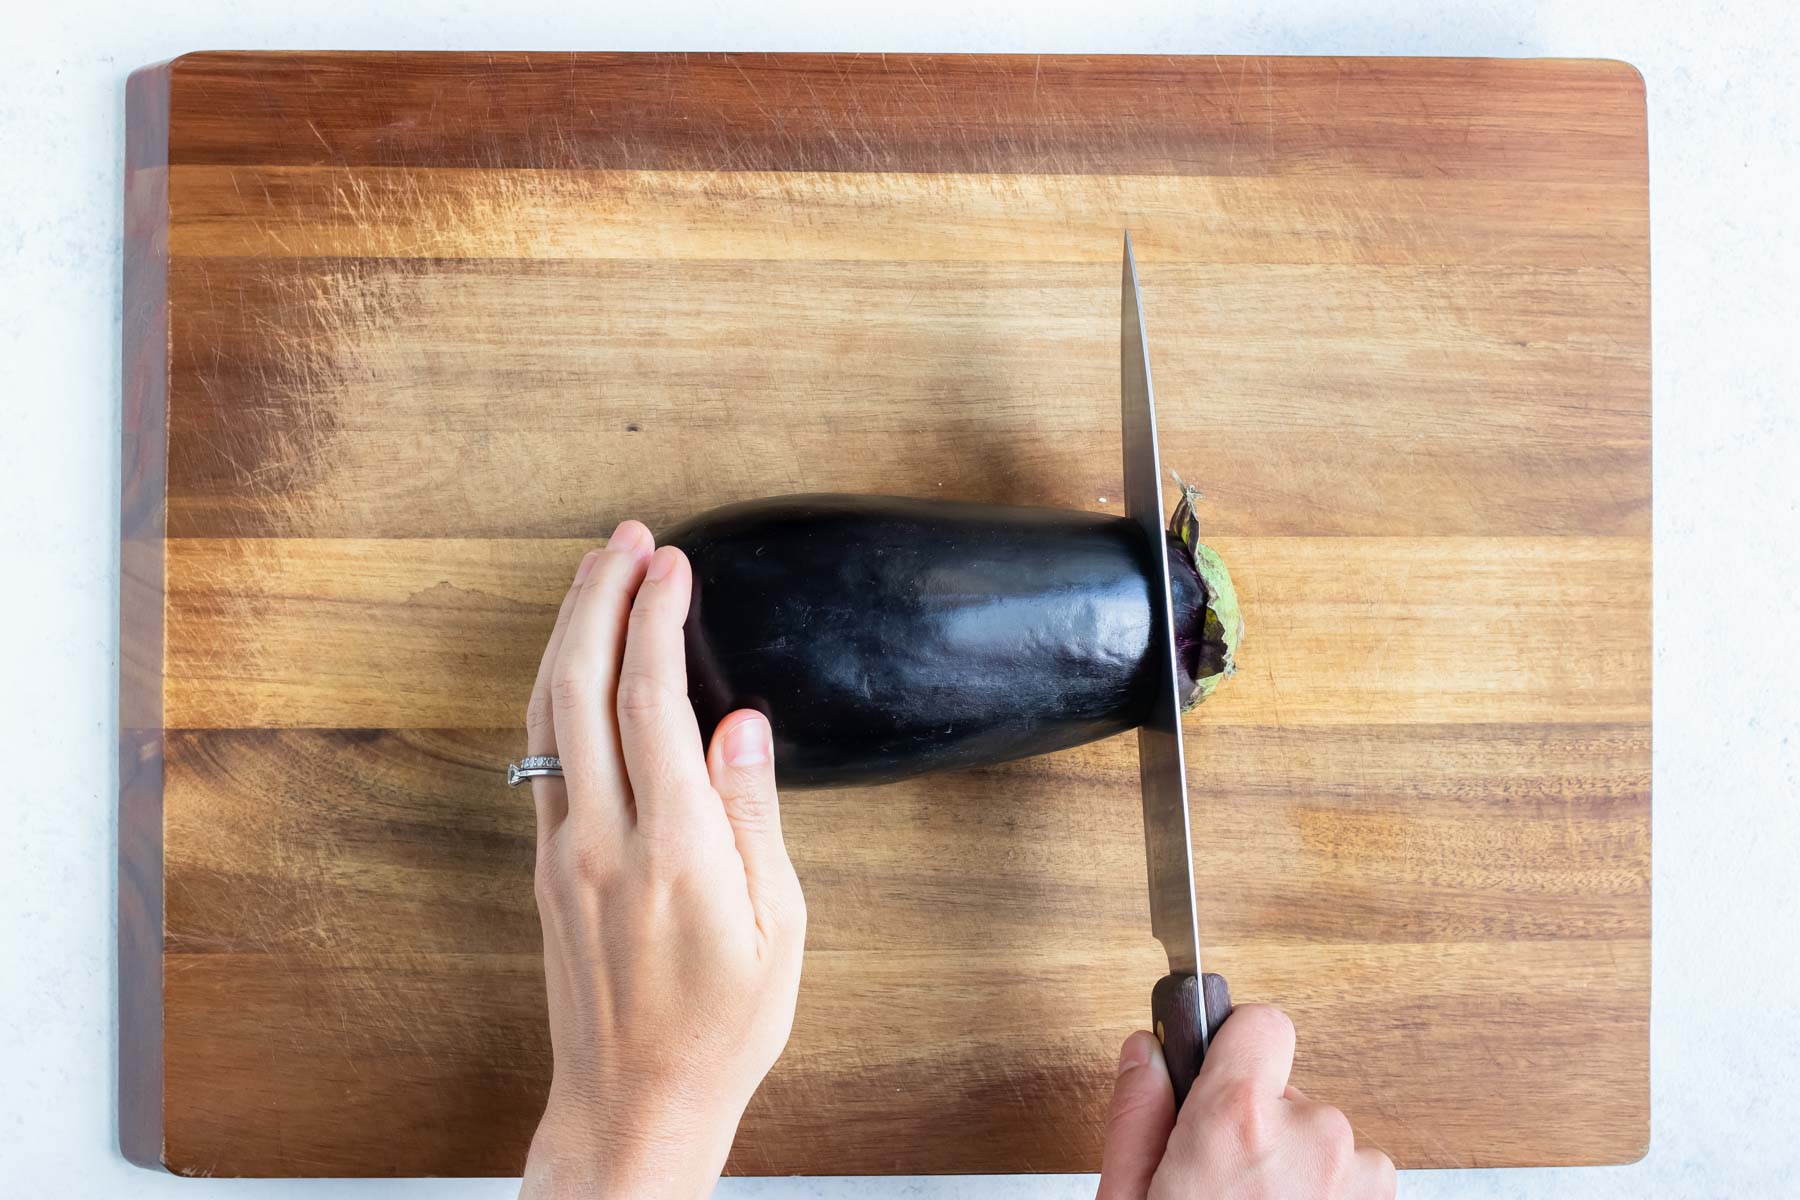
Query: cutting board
pixel 406 333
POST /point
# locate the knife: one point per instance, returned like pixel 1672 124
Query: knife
pixel 1186 1005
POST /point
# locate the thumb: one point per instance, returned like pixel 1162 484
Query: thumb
pixel 1138 1124
pixel 741 762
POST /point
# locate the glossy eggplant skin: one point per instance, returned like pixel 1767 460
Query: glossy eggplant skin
pixel 888 637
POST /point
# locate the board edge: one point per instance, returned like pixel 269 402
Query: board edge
pixel 144 363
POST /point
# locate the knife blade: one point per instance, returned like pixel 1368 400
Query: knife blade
pixel 1186 1006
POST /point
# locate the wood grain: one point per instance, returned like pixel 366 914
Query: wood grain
pixel 405 333
pixel 1536 121
pixel 404 633
pixel 1432 400
pixel 746 217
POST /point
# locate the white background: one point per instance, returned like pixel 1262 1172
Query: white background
pixel 1725 194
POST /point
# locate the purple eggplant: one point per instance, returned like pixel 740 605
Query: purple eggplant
pixel 886 637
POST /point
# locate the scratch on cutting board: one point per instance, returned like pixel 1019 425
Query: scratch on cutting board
pixel 320 136
pixel 756 95
pixel 1233 116
pixel 1268 90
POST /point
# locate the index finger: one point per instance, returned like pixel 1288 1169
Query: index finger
pixel 664 758
pixel 1255 1047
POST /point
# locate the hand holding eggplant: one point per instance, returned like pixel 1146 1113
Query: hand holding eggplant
pixel 673 921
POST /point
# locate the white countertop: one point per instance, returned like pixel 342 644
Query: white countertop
pixel 1725 196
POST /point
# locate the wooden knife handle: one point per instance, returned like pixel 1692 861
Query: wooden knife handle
pixel 1176 1006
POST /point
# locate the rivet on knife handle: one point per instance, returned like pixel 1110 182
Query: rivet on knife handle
pixel 1178 1005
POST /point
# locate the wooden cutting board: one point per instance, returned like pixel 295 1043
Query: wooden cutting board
pixel 405 333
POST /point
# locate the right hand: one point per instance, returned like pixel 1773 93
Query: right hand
pixel 1244 1134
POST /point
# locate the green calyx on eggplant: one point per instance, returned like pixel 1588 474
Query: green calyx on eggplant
pixel 888 637
pixel 1208 622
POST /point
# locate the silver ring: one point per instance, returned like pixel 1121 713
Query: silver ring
pixel 533 767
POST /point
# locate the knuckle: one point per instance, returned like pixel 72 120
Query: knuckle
pixel 649 605
pixel 569 688
pixel 605 572
pixel 640 694
pixel 1337 1141
pixel 1236 1099
pixel 546 879
pixel 661 847
pixel 1243 1116
pixel 1327 1133
pixel 538 712
pixel 753 805
pixel 667 864
pixel 1130 1107
pixel 677 853
pixel 592 862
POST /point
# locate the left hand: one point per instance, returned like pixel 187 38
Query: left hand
pixel 673 921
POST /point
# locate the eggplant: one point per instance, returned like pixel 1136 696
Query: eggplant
pixel 888 637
